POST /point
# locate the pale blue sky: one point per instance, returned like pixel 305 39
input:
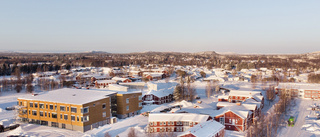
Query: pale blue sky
pixel 241 26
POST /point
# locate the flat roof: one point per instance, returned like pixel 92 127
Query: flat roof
pixel 70 96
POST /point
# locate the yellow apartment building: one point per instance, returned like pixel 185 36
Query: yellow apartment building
pixel 73 109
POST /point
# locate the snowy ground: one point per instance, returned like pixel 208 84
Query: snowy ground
pixel 306 124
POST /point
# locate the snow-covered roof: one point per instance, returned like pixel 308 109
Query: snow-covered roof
pixel 305 86
pixel 241 113
pixel 178 117
pixel 244 93
pixel 106 81
pixel 70 96
pixel 205 129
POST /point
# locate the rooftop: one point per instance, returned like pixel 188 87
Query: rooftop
pixel 70 96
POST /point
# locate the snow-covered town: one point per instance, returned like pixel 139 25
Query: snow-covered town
pixel 154 100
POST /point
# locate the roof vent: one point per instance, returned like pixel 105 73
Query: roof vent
pixel 74 95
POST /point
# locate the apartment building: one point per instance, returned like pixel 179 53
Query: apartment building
pixel 73 109
pixel 174 122
pixel 128 104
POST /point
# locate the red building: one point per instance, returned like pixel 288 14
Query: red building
pixel 236 120
pixel 174 122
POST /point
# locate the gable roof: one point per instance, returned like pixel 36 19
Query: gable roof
pixel 205 129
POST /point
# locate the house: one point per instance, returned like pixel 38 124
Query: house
pixel 174 122
pixel 159 93
pixel 72 109
pixel 240 96
pixel 124 80
pixel 233 119
pixel 209 128
pixel 104 83
pixel 154 76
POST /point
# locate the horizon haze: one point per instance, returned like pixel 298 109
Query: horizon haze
pixel 242 27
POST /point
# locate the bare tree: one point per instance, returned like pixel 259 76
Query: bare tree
pixel 132 132
pixel 107 134
pixel 209 89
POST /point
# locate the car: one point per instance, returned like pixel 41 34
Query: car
pixel 291 121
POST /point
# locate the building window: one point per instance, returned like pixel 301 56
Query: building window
pixel 73 118
pixel 77 118
pixel 169 123
pixel 49 114
pixel 34 112
pixel 140 104
pixel 67 108
pixel 65 117
pixel 31 104
pixel 45 114
pixel 127 100
pixel 73 110
pixel 85 110
pixel 164 123
pixel 127 108
pixel 94 105
pixel 85 118
pixel 41 113
pixel 41 105
pixel 151 123
pixel 140 97
pixel 172 123
pixel 51 107
pixel 160 123
pixel 62 108
pixel 155 123
pixel 54 115
pixel 104 106
pixel 60 116
pixel 104 114
pixel 36 105
pixel 46 106
pixel 63 125
pixel 54 124
pixel 55 107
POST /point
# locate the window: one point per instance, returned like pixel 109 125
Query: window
pixel 46 106
pixel 20 103
pixel 160 123
pixel 164 123
pixel 151 123
pixel 54 115
pixel 127 100
pixel 168 123
pixel 65 117
pixel 73 110
pixel 31 104
pixel 41 105
pixel 140 97
pixel 62 108
pixel 77 118
pixel 49 114
pixel 45 114
pixel 140 104
pixel 60 116
pixel 34 112
pixel 127 108
pixel 172 123
pixel 104 114
pixel 51 107
pixel 63 125
pixel 155 123
pixel 67 108
pixel 85 110
pixel 54 124
pixel 36 105
pixel 55 107
pixel 103 105
pixel 73 118
pixel 41 113
pixel 85 118
pixel 229 120
pixel 29 112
